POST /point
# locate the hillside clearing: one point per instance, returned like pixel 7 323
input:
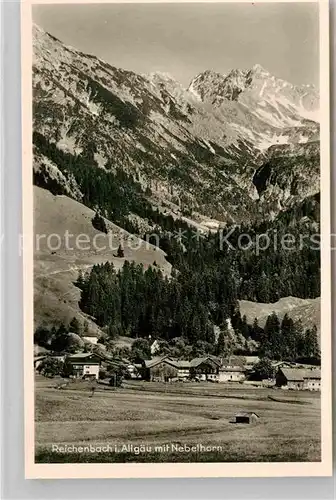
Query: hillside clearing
pixel 306 310
pixel 57 263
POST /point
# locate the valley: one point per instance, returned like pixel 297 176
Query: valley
pixel 149 177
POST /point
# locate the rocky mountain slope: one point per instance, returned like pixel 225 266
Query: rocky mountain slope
pixel 149 154
pixel 229 148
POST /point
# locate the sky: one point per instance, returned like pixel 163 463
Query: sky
pixel 186 39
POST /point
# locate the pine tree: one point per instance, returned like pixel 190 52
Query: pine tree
pixel 99 223
pixel 288 347
pixel 220 348
pixel 300 339
pixel 120 252
pixel 271 341
pixel 80 280
pixel 85 328
pixel 312 350
pixel 257 331
pixel 244 327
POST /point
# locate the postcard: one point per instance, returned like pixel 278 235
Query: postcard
pixel 176 239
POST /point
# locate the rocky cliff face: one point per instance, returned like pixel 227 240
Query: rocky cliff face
pixel 230 147
pixel 261 107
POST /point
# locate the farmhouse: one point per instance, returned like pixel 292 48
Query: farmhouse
pixel 38 360
pixel 183 368
pixel 250 361
pixel 134 371
pixel 85 364
pixel 91 337
pixel 232 370
pixel 248 417
pixel 205 368
pixel 164 369
pixel 299 378
pixel 155 347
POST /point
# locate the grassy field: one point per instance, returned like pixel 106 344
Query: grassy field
pixel 167 420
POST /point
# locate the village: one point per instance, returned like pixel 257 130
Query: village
pixel 97 366
pixel 212 407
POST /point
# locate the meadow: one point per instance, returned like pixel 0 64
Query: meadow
pixel 147 421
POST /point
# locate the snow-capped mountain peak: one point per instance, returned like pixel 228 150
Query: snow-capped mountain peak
pixel 259 106
pixel 179 142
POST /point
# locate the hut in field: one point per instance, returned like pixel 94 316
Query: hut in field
pixel 248 417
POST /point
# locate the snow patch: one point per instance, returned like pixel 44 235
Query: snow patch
pixel 313 115
pixel 261 93
pixel 266 141
pixel 209 146
pixel 194 92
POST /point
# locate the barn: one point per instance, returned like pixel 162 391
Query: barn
pixel 299 378
pixel 248 417
pixel 164 369
pixel 205 368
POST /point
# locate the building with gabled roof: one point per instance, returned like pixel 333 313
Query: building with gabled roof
pixel 165 368
pixel 85 364
pixel 205 368
pixel 299 378
pixel 232 370
pixel 245 417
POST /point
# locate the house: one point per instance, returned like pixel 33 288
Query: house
pixel 299 378
pixel 91 337
pixel 205 368
pixel 165 368
pixel 248 417
pixel 232 370
pixel 40 354
pixel 250 361
pixel 38 360
pixel 86 364
pixel 134 371
pixel 231 374
pixel 155 347
pixel 183 368
pixel 283 364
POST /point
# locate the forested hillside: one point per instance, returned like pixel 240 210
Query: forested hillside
pixel 222 176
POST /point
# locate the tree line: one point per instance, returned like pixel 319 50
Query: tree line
pixel 145 304
pixel 262 275
pixel 114 194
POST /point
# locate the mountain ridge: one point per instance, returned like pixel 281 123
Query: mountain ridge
pixel 183 149
pixel 150 156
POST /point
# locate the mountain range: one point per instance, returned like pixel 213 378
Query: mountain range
pixel 228 148
pixel 239 148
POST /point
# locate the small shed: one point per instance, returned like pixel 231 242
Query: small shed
pixel 248 417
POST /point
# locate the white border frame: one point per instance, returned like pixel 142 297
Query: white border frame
pixel 160 470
